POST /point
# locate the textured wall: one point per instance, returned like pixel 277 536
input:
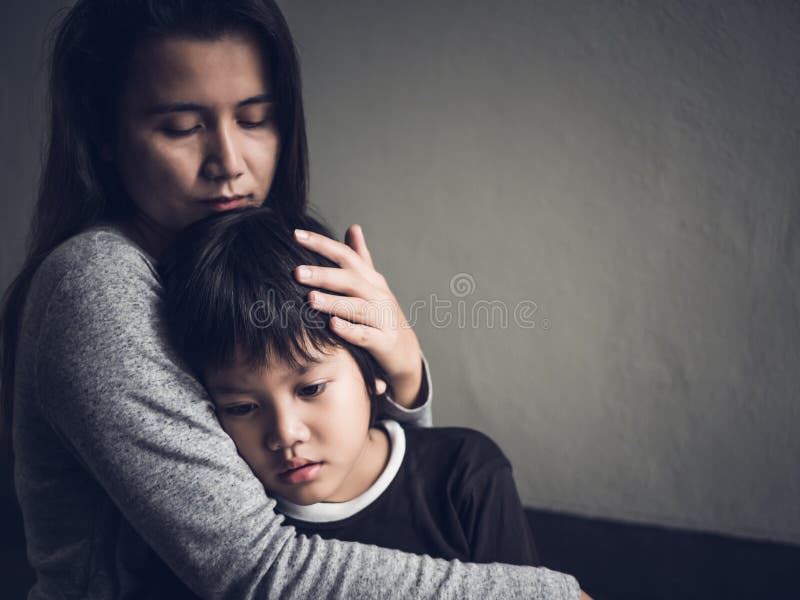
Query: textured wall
pixel 629 167
pixel 22 79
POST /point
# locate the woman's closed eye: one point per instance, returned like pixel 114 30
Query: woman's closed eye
pixel 180 130
pixel 254 117
pixel 177 131
pixel 239 410
pixel 255 124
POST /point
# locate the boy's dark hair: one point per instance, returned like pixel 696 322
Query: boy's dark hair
pixel 229 286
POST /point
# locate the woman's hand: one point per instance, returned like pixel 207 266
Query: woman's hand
pixel 368 314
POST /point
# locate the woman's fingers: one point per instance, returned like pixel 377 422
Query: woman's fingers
pixel 368 314
pixel 343 281
pixel 362 336
pixel 356 240
pixel 342 254
pixel 378 313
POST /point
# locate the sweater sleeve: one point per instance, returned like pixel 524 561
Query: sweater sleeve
pixel 419 416
pixel 144 429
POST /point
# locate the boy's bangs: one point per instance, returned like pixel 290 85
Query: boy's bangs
pixel 293 349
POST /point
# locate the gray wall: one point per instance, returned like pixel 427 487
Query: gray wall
pixel 22 84
pixel 629 167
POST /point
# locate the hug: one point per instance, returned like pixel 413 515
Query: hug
pixel 165 445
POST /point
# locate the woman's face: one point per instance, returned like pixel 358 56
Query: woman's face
pixel 195 128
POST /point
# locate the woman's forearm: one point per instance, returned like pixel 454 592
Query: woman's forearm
pixel 419 416
pixel 147 437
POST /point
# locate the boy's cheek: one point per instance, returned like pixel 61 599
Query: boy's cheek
pixel 223 421
pixel 241 435
pixel 238 433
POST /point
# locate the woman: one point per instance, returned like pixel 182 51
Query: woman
pixel 162 112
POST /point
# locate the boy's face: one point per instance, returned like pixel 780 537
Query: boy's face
pixel 315 417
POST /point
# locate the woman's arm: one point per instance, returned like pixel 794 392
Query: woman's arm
pixel 145 430
pixel 419 416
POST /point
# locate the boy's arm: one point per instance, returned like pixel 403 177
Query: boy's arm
pixel 494 520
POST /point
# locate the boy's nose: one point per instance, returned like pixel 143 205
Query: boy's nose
pixel 288 429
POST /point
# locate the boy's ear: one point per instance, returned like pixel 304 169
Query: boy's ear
pixel 380 386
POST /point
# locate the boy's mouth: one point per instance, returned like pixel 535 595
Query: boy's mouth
pixel 307 471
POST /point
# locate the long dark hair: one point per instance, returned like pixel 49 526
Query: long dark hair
pixel 229 295
pixel 89 52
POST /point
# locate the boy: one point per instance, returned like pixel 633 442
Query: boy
pixel 299 403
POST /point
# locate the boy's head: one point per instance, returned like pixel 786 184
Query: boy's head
pixel 287 389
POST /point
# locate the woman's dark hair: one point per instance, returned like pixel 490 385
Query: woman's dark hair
pixel 89 54
pixel 230 295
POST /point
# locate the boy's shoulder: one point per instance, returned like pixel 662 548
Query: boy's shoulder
pixel 459 450
pixel 452 437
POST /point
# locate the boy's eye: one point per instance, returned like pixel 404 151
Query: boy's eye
pixel 312 390
pixel 239 410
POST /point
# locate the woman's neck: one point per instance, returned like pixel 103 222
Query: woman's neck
pixel 147 233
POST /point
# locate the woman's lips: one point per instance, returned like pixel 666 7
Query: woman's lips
pixel 302 474
pixel 225 202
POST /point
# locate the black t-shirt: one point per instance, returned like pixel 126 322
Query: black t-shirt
pixel 453 497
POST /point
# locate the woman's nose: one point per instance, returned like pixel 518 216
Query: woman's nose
pixel 223 159
pixel 288 429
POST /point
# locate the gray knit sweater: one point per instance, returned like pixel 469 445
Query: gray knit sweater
pixel 118 450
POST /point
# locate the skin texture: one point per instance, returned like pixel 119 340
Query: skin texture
pixel 318 412
pixel 224 143
pixel 171 160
